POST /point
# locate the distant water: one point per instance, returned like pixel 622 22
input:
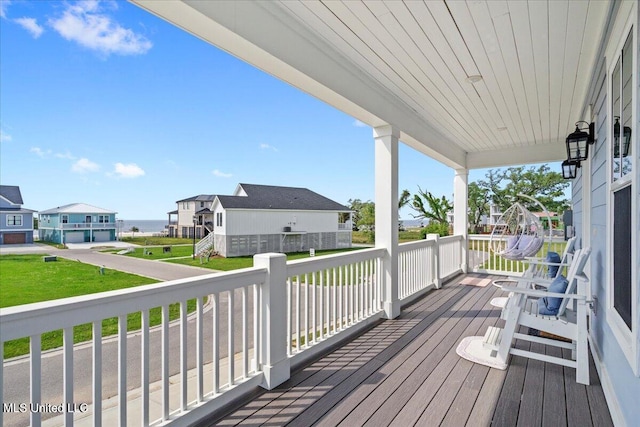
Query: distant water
pixel 145 225
pixel 414 222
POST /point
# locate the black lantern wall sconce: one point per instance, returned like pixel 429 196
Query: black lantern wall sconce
pixel 570 169
pixel 578 142
pixel 626 141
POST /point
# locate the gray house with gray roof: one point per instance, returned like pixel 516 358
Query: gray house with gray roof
pixel 16 222
pixel 266 218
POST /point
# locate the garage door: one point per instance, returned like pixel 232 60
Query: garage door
pixel 101 236
pixel 14 238
pixel 74 237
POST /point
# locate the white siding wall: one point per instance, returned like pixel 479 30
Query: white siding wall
pixel 242 222
pixel 185 216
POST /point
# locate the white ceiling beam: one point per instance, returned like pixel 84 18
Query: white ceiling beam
pixel 539 153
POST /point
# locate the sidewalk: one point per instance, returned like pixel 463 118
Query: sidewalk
pixel 158 270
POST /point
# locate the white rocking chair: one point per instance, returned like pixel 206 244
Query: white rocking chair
pixel 496 347
pixel 536 269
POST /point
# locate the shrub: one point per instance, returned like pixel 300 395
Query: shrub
pixel 440 228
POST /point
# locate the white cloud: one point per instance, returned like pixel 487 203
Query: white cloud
pixel 85 24
pixel 216 172
pixel 130 170
pixel 66 155
pixel 359 124
pixel 4 4
pixel 85 165
pixel 39 152
pixel 31 26
pixel 268 147
pixel 5 137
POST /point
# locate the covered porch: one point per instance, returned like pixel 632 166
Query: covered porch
pixel 470 84
pixel 474 84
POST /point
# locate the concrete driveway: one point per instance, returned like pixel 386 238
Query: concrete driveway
pixel 33 248
pixel 88 253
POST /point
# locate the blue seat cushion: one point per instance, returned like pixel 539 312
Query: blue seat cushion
pixel 553 269
pixel 550 305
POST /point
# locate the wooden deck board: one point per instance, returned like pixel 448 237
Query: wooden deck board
pixel 406 372
pixel 555 410
pixel 596 398
pixel 425 401
pixel 532 394
pixel 402 384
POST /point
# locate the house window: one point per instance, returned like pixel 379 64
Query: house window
pixel 622 129
pixel 219 219
pixel 65 219
pixel 621 114
pixel 202 204
pixel 14 220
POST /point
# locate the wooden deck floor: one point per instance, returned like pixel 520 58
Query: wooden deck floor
pixel 405 372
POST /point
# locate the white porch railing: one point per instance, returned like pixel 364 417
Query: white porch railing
pixel 424 264
pixel 86 225
pixel 326 295
pixel 249 327
pixel 482 260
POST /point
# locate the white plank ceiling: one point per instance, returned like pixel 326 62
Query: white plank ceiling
pixel 407 63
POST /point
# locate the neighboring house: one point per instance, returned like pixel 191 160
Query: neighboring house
pixel 77 223
pixel 16 222
pixel 193 209
pixel 264 218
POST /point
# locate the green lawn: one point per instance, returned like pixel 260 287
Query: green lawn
pixel 27 279
pixel 227 264
pixel 158 252
pixel 156 241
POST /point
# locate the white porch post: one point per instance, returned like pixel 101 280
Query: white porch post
pixel 386 181
pixel 273 333
pixel 460 213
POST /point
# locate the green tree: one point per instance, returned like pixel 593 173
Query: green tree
pixel 134 230
pixel 430 207
pixel 364 213
pixel 478 205
pixel 538 182
pixel 405 198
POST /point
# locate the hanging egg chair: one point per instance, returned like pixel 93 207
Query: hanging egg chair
pixel 518 233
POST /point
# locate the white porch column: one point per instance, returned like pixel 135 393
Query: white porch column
pixel 386 155
pixel 275 363
pixel 460 213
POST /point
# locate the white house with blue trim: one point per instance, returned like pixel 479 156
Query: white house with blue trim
pixel 77 223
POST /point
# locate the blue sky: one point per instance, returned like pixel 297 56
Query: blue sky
pixel 106 104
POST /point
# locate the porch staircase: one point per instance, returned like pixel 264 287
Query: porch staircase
pixel 204 244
